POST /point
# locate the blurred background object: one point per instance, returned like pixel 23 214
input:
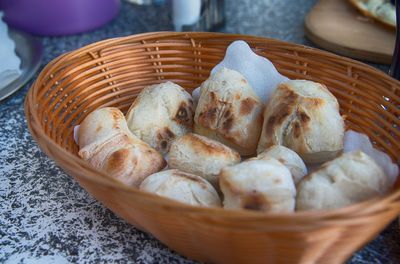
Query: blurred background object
pixel 198 15
pixel 58 17
pixel 20 58
pixel 394 70
pixel 337 26
pixel 29 51
pixel 185 12
pixel 10 62
pixel 382 11
pixel 146 2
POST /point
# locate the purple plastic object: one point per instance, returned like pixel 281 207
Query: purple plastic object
pixel 58 17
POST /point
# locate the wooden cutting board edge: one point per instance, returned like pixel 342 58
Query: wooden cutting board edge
pixel 347 51
pixel 342 49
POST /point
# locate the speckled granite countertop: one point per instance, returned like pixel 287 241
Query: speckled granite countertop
pixel 46 217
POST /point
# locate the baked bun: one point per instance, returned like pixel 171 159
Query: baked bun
pixel 183 187
pixel 381 10
pixel 201 156
pixel 352 177
pixel 261 185
pixel 303 116
pixel 160 114
pixel 289 158
pixel 229 111
pixel 107 144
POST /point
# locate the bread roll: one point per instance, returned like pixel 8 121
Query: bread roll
pixel 381 10
pixel 183 187
pixel 352 177
pixel 101 125
pixel 229 111
pixel 107 144
pixel 261 185
pixel 160 114
pixel 201 156
pixel 303 116
pixel 289 158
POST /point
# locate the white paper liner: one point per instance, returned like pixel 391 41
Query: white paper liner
pixel 76 132
pixel 259 71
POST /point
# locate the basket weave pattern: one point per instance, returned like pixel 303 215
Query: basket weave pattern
pixel 112 73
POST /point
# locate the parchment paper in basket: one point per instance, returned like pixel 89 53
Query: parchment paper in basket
pixel 76 131
pixel 358 141
pixel 259 71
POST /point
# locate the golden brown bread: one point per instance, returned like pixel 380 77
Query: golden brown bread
pixel 101 125
pixel 381 10
pixel 303 116
pixel 201 156
pixel 229 111
pixel 107 144
pixel 261 185
pixel 350 178
pixel 183 187
pixel 160 114
pixel 287 157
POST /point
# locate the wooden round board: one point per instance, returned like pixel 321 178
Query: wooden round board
pixel 337 26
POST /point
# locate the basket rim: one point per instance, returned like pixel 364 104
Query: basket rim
pixel 92 174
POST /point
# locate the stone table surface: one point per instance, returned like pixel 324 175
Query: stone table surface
pixel 46 217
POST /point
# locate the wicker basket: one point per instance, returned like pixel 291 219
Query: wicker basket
pixel 112 73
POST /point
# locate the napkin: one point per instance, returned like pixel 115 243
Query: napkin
pixel 258 71
pixel 9 61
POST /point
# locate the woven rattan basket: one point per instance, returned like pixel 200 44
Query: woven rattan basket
pixel 112 73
